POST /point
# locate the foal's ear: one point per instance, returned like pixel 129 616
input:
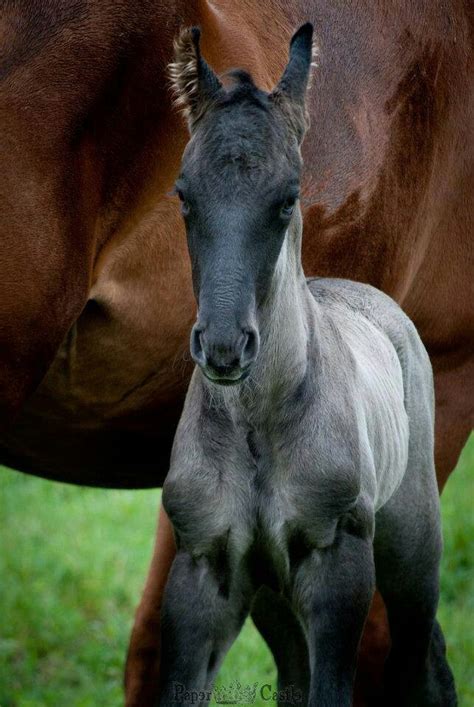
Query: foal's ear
pixel 194 82
pixel 290 92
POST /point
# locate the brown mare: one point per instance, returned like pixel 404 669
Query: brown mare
pixel 95 287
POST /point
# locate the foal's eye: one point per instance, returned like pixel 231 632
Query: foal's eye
pixel 184 203
pixel 287 207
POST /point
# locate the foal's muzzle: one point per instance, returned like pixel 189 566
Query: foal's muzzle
pixel 224 359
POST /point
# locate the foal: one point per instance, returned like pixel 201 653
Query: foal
pixel 302 470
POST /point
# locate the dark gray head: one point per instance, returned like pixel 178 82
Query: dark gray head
pixel 239 184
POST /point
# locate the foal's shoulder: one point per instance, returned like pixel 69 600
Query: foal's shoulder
pixel 355 296
pixel 359 299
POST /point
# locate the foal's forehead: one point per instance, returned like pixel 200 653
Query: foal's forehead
pixel 240 135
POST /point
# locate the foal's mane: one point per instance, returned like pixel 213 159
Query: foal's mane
pixel 239 86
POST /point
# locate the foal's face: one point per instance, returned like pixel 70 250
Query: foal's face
pixel 238 186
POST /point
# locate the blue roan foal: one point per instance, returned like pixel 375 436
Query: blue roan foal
pixel 302 470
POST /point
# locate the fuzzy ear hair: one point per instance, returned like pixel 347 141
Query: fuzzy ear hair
pixel 194 83
pixel 290 92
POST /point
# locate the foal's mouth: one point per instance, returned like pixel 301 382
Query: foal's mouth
pixel 226 380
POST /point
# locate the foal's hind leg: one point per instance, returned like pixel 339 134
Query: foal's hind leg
pixel 276 621
pixel 407 553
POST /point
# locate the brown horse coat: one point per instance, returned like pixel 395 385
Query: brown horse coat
pixel 93 251
pixel 91 146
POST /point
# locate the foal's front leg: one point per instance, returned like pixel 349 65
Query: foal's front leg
pixel 334 589
pixel 200 620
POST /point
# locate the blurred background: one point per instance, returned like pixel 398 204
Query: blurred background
pixel 72 565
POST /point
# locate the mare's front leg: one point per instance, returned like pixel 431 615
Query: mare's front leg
pixel 201 618
pixel 143 657
pixel 333 592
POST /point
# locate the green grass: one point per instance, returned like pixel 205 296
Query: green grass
pixel 72 564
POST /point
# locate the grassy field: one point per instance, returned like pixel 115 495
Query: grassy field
pixel 72 563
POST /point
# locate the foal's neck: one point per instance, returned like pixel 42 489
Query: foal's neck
pixel 286 323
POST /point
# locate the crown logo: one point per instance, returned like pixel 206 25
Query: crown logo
pixel 235 694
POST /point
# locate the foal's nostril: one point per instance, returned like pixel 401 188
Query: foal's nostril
pixel 224 356
pixel 197 351
pixel 250 349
